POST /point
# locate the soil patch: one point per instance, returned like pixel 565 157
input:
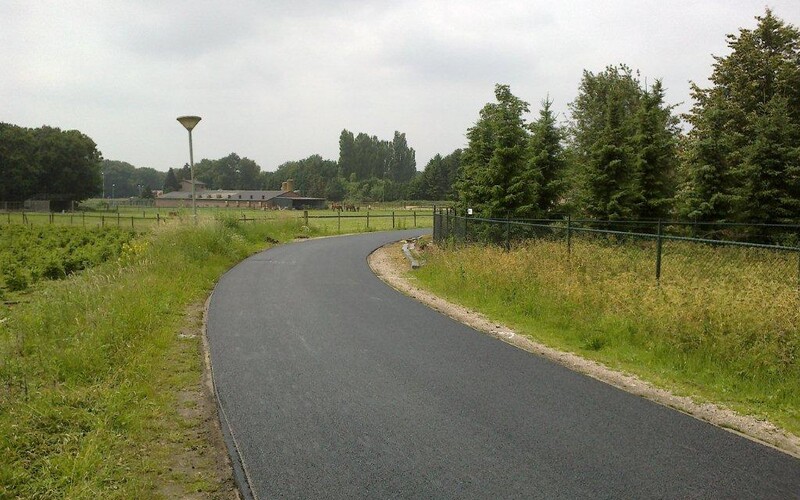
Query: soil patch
pixel 200 469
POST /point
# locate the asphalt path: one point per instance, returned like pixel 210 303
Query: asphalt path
pixel 333 385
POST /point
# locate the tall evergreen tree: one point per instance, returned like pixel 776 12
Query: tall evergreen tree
pixel 347 161
pixel 744 148
pixel 403 164
pixel 497 178
pixel 623 137
pixel 547 158
pixel 602 127
pixel 171 182
pixel 655 143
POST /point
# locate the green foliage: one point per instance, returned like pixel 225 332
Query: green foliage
pixel 92 368
pixel 437 181
pixel 548 159
pixel 743 152
pixel 363 157
pixel 47 162
pixel 496 177
pixel 511 168
pixel 230 172
pixel 30 254
pixel 171 182
pixel 312 177
pixel 624 139
pixel 15 277
pixel 129 181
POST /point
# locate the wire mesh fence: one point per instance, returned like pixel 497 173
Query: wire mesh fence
pixel 691 253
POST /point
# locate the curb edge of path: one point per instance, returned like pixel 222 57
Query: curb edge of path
pixel 241 475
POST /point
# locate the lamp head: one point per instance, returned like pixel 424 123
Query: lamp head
pixel 189 121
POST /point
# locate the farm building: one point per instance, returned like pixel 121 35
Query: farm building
pixel 286 198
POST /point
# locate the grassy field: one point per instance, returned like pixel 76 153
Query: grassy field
pixel 723 325
pixel 144 219
pixel 92 369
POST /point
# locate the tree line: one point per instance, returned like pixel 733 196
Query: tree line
pixel 123 180
pixel 368 169
pixel 47 163
pixel 622 154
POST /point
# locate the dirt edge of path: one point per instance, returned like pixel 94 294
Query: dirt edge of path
pixel 389 264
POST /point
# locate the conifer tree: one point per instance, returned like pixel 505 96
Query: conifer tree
pixel 624 141
pixel 547 159
pixel 744 148
pixel 171 182
pixel 655 143
pixel 496 177
pixel 602 132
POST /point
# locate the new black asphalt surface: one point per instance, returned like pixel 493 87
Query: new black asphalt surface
pixel 336 386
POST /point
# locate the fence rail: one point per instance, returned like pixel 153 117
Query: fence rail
pixel 778 243
pixel 149 219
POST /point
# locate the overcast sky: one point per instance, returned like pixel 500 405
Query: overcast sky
pixel 278 80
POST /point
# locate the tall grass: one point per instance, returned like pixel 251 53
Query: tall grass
pixel 88 364
pixel 723 324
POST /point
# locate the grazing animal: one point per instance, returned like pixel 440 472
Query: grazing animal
pixel 350 208
pixel 336 207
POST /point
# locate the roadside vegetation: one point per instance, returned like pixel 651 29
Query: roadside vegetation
pixel 377 217
pixel 29 254
pixel 723 325
pixel 92 367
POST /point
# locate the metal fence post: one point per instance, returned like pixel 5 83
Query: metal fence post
pixel 466 228
pixel 569 235
pixel 338 221
pixel 305 217
pixel 658 252
pixel 392 219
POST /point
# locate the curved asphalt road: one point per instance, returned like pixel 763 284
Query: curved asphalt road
pixel 336 386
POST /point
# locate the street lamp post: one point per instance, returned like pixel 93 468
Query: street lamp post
pixel 189 122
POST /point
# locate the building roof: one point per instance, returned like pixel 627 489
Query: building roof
pixel 224 195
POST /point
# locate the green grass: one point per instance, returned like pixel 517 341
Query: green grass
pixel 29 254
pixel 723 325
pixel 91 366
pixel 146 218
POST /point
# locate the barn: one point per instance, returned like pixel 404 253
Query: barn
pixel 286 198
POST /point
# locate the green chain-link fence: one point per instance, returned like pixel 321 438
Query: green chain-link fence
pixel 691 252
